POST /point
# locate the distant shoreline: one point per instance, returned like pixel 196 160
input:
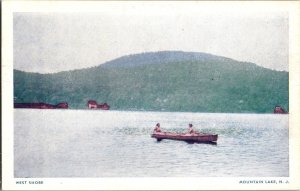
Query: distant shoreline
pixel 140 111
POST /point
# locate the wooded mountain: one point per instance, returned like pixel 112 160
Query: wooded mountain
pixel 161 81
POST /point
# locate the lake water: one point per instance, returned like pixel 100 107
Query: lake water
pixel 90 143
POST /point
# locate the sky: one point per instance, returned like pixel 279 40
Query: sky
pixel 49 42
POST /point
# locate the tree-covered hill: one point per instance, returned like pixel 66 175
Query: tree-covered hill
pixel 194 82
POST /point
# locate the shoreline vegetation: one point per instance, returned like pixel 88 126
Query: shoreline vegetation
pixel 167 81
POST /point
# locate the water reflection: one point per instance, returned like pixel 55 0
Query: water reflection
pixel 190 142
pixel 117 144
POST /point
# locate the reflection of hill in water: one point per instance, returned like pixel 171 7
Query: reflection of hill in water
pixel 162 81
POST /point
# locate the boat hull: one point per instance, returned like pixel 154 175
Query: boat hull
pixel 199 137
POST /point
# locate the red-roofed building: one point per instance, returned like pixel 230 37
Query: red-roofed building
pixel 279 110
pixel 94 105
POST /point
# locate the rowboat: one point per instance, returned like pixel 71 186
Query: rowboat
pixel 191 138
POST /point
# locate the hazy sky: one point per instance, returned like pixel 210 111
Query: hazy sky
pixel 52 42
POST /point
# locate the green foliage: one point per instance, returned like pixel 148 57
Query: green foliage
pixel 194 86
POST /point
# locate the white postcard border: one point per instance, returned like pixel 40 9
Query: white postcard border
pixel 182 183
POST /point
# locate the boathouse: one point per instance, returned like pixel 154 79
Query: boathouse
pixel 41 105
pixel 92 104
pixel 279 110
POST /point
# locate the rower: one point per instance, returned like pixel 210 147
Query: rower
pixel 157 128
pixel 190 129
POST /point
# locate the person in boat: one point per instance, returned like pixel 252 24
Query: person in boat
pixel 190 129
pixel 157 128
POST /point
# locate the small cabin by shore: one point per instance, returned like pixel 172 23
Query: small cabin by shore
pixel 92 104
pixel 279 110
